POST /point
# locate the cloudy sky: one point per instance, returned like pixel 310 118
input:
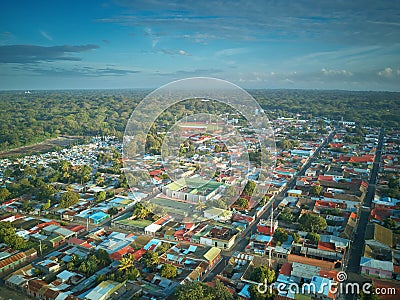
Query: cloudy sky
pixel 352 45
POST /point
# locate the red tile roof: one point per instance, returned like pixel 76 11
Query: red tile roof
pixel 325 178
pixel 286 269
pixel 75 241
pixel 43 225
pixel 380 213
pixel 326 246
pixel 139 253
pixel 265 229
pixel 179 232
pixel 323 264
pixel 331 274
pixel 336 145
pixel 12 259
pixel 120 253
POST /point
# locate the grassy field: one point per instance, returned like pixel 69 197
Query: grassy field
pixel 136 223
pixel 176 207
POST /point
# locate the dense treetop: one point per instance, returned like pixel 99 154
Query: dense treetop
pixel 31 118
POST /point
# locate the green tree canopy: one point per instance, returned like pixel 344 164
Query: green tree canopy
pixel 200 291
pixel 139 211
pixel 316 190
pixel 312 222
pixel 4 194
pixel 242 203
pixel 249 188
pixel 68 199
pixel 150 259
pixel 313 237
pixel 280 235
pixel 168 271
pixel 261 273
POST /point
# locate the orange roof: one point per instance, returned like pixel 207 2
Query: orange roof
pixel 138 254
pixel 380 213
pixel 120 253
pixel 336 145
pixel 396 269
pixel 12 259
pixel 325 178
pixel 332 274
pixel 326 246
pixel 179 232
pixel 286 269
pixel 323 264
pixel 43 225
pixel 75 241
pixel 362 159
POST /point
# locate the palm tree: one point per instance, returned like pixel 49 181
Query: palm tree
pixel 126 263
pixel 200 205
pixel 140 212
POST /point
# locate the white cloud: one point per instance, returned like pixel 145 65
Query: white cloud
pixel 154 38
pixel 328 72
pixel 173 52
pixel 183 52
pixel 46 35
pixel 388 72
pixel 232 51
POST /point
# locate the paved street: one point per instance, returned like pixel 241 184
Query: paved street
pixel 244 240
pixel 357 245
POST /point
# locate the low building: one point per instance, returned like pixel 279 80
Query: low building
pixel 294 193
pixel 378 268
pixel 11 262
pixel 218 214
pixel 192 189
pixel 103 290
pixel 213 256
pixel 221 237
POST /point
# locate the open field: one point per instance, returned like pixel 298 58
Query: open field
pixel 173 206
pixel 45 146
pixel 136 223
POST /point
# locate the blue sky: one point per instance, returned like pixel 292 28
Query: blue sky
pixel 353 45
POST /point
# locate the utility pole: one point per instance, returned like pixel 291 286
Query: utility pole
pixel 271 233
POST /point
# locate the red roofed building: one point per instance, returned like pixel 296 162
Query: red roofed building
pixel 325 178
pixel 138 254
pixel 326 246
pixel 366 158
pixel 156 172
pixel 380 213
pixel 43 225
pixel 264 227
pixel 265 230
pixel 122 252
pixel 323 264
pixel 326 204
pixel 178 235
pixel 336 145
pixel 79 243
pixel 78 229
pixel 286 269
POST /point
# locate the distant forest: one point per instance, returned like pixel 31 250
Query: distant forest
pixel 32 118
